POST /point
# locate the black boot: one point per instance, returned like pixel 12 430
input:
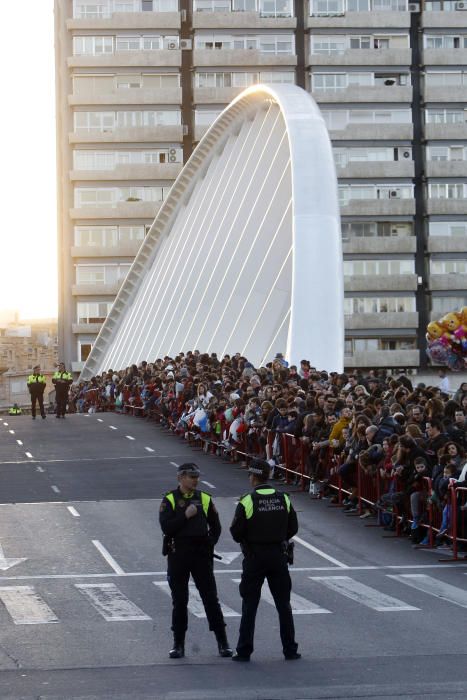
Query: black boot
pixel 222 644
pixel 178 650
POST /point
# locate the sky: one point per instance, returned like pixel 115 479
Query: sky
pixel 28 276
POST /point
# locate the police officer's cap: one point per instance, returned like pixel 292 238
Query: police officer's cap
pixel 259 468
pixel 189 468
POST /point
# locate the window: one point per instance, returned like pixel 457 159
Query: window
pixel 448 267
pixel 360 42
pixel 92 45
pixel 378 267
pixel 357 345
pixel 129 81
pixel 275 8
pixel 371 305
pixel 93 312
pixel 445 79
pixel 450 115
pixel 327 7
pixel 94 122
pixel 444 305
pixel 93 236
pixel 328 44
pixel 329 81
pixel 446 190
pixel 84 350
pixel 447 228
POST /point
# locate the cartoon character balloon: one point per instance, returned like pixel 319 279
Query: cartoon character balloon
pixel 447 340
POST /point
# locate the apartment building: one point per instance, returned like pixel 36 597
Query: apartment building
pixel 140 81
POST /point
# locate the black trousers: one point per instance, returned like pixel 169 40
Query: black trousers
pixel 197 561
pixel 268 563
pixel 40 399
pixel 61 398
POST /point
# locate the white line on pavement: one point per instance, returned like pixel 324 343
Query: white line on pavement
pixel 55 488
pixel 174 464
pixel 73 511
pixel 20 442
pixel 12 432
pixel 110 602
pixel 6 424
pixel 211 486
pixel 195 604
pixel 434 587
pixel 129 437
pixel 112 427
pixel 108 557
pixel 28 454
pixel 25 606
pixel 85 459
pixel 359 592
pixel 99 420
pixel 320 553
pixel 39 469
pixel 149 449
pixel 299 605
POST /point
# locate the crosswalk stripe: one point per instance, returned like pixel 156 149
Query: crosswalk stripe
pixel 195 604
pixel 110 602
pixel 363 594
pixel 432 586
pixel 299 605
pixel 25 606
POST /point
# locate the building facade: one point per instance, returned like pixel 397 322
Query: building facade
pixel 140 81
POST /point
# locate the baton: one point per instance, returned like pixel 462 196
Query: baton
pixel 217 556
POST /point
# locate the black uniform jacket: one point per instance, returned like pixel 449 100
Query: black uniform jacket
pixel 200 528
pixel 270 521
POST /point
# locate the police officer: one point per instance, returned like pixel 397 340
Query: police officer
pixel 15 410
pixel 62 381
pixel 264 522
pixel 191 527
pixel 36 387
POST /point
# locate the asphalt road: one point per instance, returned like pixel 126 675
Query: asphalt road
pixel 84 604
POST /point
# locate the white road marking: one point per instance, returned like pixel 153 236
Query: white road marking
pixel 20 442
pixel 40 469
pixel 110 602
pixel 99 420
pixel 320 553
pixel 5 563
pixel 228 557
pixel 108 557
pixel 211 486
pixel 25 606
pixel 195 604
pixel 434 587
pixel 55 488
pixel 363 594
pixel 28 454
pixel 174 464
pixel 6 424
pixel 12 432
pixel 112 427
pixel 129 437
pixel 73 511
pixel 149 449
pixel 299 605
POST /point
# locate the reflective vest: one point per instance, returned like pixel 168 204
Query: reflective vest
pixel 14 411
pixel 198 525
pixel 62 377
pixel 267 513
pixel 37 382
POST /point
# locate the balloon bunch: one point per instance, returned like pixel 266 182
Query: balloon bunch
pixel 447 340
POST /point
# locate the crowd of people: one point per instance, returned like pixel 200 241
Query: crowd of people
pixel 393 431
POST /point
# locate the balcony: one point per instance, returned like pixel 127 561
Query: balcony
pixel 451 168
pixel 218 96
pixel 373 132
pixel 86 328
pixel 241 57
pixel 443 207
pixel 379 244
pixel 407 320
pixel 448 282
pixel 162 133
pixel 445 57
pixel 447 244
pixel 378 169
pixel 370 94
pixel 378 207
pixel 362 20
pixel 82 290
pixel 124 210
pixel 363 57
pixel 128 21
pixel 122 250
pixel 443 20
pixel 146 59
pixel 241 20
pixel 160 171
pixel 133 96
pixel 445 131
pixel 383 358
pixel 380 283
pixel 445 93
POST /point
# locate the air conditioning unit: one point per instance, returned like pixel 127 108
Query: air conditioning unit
pixel 414 7
pixel 171 45
pixel 172 151
pixel 186 44
pixel 404 153
pixel 172 159
pixel 394 194
pixel 461 5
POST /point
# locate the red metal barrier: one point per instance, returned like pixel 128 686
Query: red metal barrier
pixel 458 530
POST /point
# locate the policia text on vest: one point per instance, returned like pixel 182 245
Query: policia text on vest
pixel 191 527
pixel 264 523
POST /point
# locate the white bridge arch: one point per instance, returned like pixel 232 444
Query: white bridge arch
pixel 245 253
